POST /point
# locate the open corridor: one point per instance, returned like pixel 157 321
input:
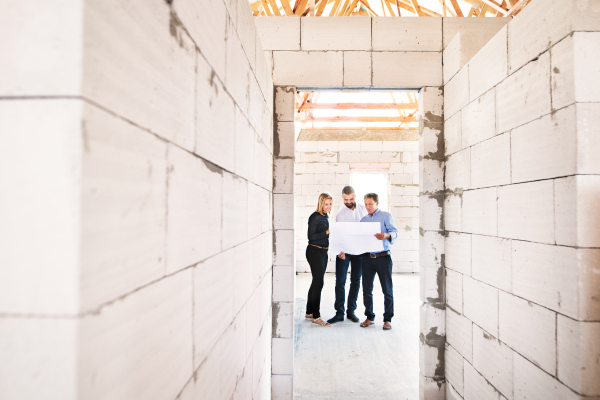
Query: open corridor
pixel 345 361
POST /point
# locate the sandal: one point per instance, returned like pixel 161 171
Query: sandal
pixel 320 322
pixel 364 324
pixel 308 316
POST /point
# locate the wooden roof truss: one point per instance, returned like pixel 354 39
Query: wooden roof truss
pixel 393 8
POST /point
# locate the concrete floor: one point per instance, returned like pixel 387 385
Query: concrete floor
pixel 345 361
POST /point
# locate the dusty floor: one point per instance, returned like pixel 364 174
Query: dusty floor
pixel 346 361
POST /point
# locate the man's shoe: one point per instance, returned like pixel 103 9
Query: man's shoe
pixel 337 318
pixel 353 318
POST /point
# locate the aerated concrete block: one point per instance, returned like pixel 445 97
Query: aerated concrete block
pixel 278 33
pixel 431 178
pixel 458 170
pixel 431 389
pixel 283 146
pixel 481 304
pixel 283 283
pixel 357 68
pixel 244 146
pixel 545 148
pixel 484 28
pixel 530 382
pixel 547 22
pixel 456 93
pixel 526 211
pixel 453 134
pixel 477 387
pixel 341 33
pixel 40 167
pixel 406 34
pixel 554 269
pixel 166 106
pixel 480 211
pixel 574 78
pixel 161 310
pixel 283 251
pixel 491 261
pixel 490 162
pixel 215 127
pixel 285 99
pixel 454 370
pixel 308 68
pixel 282 385
pixel 494 360
pixel 489 66
pixel 588 138
pixel 418 69
pixel 453 212
pixel 46 61
pixel 478 120
pixel 40 358
pixel 213 288
pixel 430 211
pixel 454 290
pixel 282 353
pixel 208 373
pixel 524 95
pixel 458 252
pixel 234 214
pixel 284 178
pixel 460 333
pixel 194 232
pixel 578 353
pixel 529 329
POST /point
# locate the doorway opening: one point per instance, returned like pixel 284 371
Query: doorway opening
pixel 369 140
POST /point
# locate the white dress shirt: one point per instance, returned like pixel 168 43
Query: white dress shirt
pixel 347 215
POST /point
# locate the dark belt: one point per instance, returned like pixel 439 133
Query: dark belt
pixel 375 255
pixel 324 248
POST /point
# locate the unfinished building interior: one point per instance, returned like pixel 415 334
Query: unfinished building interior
pixel 149 193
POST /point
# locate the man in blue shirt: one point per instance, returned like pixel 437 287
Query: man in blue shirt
pixel 379 263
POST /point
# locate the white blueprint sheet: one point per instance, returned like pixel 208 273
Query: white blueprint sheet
pixel 354 238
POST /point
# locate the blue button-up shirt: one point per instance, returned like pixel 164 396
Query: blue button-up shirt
pixel 387 226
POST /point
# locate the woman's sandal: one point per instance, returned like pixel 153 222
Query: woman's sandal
pixel 320 322
pixel 308 316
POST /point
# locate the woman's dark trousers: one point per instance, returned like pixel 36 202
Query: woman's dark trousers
pixel 317 259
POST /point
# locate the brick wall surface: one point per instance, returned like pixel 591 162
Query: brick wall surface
pixel 139 201
pixel 324 167
pixel 522 244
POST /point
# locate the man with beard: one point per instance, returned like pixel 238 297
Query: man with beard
pixel 352 212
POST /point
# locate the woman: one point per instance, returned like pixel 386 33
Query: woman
pixel 316 255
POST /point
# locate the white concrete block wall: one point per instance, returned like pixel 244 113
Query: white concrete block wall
pixel 329 163
pixel 516 209
pixel 133 264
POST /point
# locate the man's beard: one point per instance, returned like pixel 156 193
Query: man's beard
pixel 351 205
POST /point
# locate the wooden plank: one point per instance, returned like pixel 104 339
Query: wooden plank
pixel 417 8
pixel 300 7
pixel 446 8
pixel 334 8
pixel 321 7
pixel 398 8
pixel 457 8
pixel 406 5
pixel 366 4
pixel 495 6
pixel 286 7
pixel 361 119
pixel 484 10
pixel 266 8
pixel 352 7
pixel 342 8
pixel 360 106
pixel 516 8
pixel 510 3
pixel 275 8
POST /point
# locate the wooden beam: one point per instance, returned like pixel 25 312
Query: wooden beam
pixel 417 8
pixel 457 8
pixel 266 8
pixel 352 7
pixel 398 8
pixel 362 119
pixel 366 3
pixel 342 9
pixel 300 7
pixel 321 7
pixel 510 3
pixel 483 10
pixel 360 106
pixel 286 7
pixel 446 8
pixel 275 8
pixel 516 8
pixel 334 8
pixel 495 6
pixel 406 5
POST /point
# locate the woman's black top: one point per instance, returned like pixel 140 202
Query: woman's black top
pixel 317 229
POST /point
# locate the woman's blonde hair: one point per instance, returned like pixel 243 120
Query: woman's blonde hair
pixel 321 203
